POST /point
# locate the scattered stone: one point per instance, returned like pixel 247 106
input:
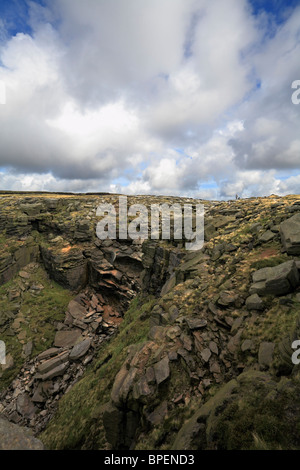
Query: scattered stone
pixel 187 342
pixel 254 302
pixel 52 363
pixel 31 210
pixel 234 342
pixel 215 368
pixel 41 393
pixel 173 332
pixel 25 406
pixel 173 356
pixel 188 359
pixel 247 345
pixel 236 324
pixel 213 347
pixel 226 299
pixel 27 349
pixel 80 349
pixel 266 236
pixel 157 333
pixel 195 323
pixel 55 372
pixel 48 353
pixel 205 354
pixel 255 228
pixel 67 338
pixel 24 274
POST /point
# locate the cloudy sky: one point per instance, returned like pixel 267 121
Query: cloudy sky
pixel 177 97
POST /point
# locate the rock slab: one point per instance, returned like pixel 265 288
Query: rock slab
pixel 14 437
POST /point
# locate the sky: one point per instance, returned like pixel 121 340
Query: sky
pixel 187 98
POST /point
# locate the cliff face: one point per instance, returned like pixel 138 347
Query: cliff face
pixel 142 344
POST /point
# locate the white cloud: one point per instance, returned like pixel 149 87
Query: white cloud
pixel 157 97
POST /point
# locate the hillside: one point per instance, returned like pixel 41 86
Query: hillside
pixel 142 344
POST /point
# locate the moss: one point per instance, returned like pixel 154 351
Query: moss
pixel 273 325
pixel 268 262
pixel 251 412
pixel 275 421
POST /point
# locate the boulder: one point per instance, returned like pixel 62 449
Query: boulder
pixel 290 234
pixel 68 267
pixel 278 280
pixel 14 437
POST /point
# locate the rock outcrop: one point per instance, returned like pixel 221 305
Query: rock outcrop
pixel 133 344
pixel 290 234
pixel 278 280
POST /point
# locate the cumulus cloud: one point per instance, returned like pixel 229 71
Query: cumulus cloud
pixel 188 97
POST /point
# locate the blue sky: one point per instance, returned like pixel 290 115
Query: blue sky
pixel 14 13
pixel 186 97
pixel 279 9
